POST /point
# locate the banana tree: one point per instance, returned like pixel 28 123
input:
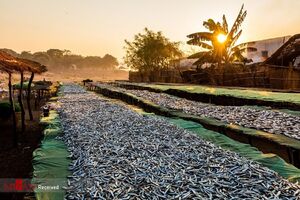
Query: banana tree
pixel 219 42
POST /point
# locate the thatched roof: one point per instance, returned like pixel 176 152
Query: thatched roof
pixel 34 66
pixel 287 53
pixel 10 64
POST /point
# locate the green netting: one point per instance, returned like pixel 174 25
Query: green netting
pixel 242 93
pixel 25 85
pixel 271 161
pixel 150 106
pixel 291 112
pixel 280 139
pixel 50 162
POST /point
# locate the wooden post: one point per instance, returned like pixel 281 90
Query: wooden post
pixel 29 95
pixel 12 106
pixel 21 102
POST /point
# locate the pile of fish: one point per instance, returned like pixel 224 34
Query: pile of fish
pixel 70 89
pixel 119 154
pixel 268 120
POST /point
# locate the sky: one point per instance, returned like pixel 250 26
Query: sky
pixel 97 27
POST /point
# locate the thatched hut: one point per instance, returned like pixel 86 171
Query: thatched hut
pixel 10 64
pixel 35 67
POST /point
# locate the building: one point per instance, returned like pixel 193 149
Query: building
pixel 186 64
pixel 288 54
pixel 265 48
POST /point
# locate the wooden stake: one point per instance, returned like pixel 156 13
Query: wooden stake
pixel 12 105
pixel 21 103
pixel 29 95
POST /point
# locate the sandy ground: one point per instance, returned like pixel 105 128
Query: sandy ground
pixel 74 75
pixel 95 75
pixel 17 162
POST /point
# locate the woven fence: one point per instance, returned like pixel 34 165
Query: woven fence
pixel 264 76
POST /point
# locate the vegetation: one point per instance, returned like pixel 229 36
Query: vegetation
pixel 219 42
pixel 5 110
pixel 150 51
pixel 25 85
pixel 64 59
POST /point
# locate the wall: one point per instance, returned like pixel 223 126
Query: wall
pixel 167 76
pixel 284 77
pixel 269 45
pixel 262 76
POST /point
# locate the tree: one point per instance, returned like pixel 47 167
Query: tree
pixel 57 59
pixel 150 51
pixel 26 55
pixel 55 53
pixel 10 52
pixel 219 42
pixel 109 62
pixel 41 57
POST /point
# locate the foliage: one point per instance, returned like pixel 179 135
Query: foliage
pixel 25 85
pixel 5 110
pixel 64 59
pixel 216 51
pixel 150 51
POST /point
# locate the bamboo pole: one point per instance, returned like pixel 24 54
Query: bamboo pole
pixel 12 105
pixel 21 102
pixel 29 95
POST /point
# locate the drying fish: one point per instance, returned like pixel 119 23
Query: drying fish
pixel 268 120
pixel 119 154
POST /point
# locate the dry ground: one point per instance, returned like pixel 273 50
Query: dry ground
pixel 17 162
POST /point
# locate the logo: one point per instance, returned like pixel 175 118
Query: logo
pixel 16 185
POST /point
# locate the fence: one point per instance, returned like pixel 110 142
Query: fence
pixel 166 76
pixel 284 77
pixel 265 76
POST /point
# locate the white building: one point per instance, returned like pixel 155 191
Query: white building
pixel 265 48
pixel 187 63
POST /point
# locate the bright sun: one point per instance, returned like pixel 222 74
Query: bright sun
pixel 221 38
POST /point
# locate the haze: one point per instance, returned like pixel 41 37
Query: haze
pixel 97 27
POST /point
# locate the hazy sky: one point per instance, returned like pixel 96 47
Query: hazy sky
pixel 96 27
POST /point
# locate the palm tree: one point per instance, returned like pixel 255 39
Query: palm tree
pixel 219 42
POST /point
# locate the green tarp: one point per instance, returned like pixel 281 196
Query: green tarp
pixel 50 162
pixel 271 161
pixel 241 93
pixel 25 85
